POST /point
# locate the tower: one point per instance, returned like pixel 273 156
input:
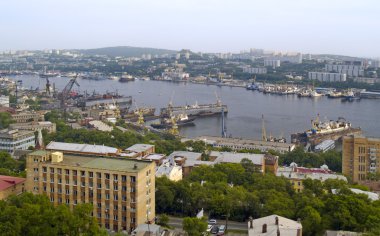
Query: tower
pixel 40 141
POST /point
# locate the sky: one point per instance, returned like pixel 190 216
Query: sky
pixel 345 27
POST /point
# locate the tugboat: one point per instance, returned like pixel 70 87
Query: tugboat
pixel 350 96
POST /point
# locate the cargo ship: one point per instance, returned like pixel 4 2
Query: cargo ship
pixel 321 131
pixel 195 110
pixel 179 120
pixel 123 102
pixel 126 78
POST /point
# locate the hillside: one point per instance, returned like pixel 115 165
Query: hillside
pixel 126 51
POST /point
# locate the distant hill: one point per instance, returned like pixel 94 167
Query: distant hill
pixel 126 51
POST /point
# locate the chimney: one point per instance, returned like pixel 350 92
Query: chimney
pixel 299 232
pixel 279 234
pixel 250 222
pixel 276 220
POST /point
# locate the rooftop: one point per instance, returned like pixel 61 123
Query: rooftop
pixel 103 163
pixel 188 155
pixel 139 147
pixel 241 141
pixel 13 133
pixel 230 157
pixel 9 181
pixel 286 227
pixel 84 148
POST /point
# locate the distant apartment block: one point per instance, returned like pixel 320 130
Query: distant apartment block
pixel 272 63
pixel 360 157
pixel 14 139
pixel 367 80
pixel 288 57
pixel 35 126
pixel 375 64
pixel 255 70
pixel 327 77
pixel 121 190
pixel 349 70
pixel 25 117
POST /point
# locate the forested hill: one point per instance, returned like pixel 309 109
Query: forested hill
pixel 126 51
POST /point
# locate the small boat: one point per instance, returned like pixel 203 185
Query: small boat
pixel 179 120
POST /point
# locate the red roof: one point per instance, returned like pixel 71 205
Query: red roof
pixel 9 181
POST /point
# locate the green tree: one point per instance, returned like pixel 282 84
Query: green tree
pixel 5 120
pixel 194 226
pixel 163 220
pixel 311 221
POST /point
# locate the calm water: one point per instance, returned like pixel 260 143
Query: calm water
pixel 283 114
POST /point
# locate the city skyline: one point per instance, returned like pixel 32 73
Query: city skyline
pixel 317 27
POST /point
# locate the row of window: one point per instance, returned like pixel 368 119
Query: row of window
pixel 83 184
pixel 91 194
pixel 90 174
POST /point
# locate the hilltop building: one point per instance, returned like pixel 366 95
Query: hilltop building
pixel 121 190
pixel 10 185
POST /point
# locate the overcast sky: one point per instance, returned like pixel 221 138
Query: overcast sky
pixel 348 27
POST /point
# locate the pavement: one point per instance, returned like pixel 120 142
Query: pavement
pixel 176 222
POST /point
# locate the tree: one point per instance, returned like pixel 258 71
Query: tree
pixel 5 120
pixel 311 221
pixel 194 226
pixel 163 220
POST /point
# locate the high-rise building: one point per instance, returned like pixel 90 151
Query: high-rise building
pixel 122 191
pixel 360 157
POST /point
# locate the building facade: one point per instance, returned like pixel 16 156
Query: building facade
pixel 255 70
pixel 42 125
pixel 327 77
pixel 272 63
pixel 11 140
pixel 25 117
pixel 10 185
pixel 360 157
pixel 349 70
pixel 122 191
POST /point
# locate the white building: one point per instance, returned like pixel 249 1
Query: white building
pixel 169 169
pixel 274 225
pixel 4 101
pixel 375 64
pixel 11 140
pixel 255 70
pixel 272 63
pixel 349 70
pixel 327 77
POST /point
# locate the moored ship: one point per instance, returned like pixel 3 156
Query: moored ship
pixel 178 120
pixel 195 110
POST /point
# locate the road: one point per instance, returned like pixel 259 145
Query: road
pixel 176 222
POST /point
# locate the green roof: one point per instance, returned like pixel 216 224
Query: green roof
pixel 116 164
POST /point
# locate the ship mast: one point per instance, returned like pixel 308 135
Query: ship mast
pixel 263 130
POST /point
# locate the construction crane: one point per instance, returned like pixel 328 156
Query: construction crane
pixel 65 94
pixel 263 130
pixel 140 119
pixel 47 86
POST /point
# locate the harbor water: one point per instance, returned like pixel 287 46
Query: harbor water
pixel 283 114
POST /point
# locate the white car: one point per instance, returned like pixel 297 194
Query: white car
pixel 212 222
pixel 209 227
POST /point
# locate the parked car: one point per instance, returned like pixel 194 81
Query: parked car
pixel 212 222
pixel 209 227
pixel 215 229
pixel 222 230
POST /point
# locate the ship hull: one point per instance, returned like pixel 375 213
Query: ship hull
pixel 188 122
pixel 202 110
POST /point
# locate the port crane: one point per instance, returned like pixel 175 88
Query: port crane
pixel 63 96
pixel 139 111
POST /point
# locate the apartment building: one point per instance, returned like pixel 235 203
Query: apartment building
pixel 14 139
pixel 121 190
pixel 360 157
pixel 255 70
pixel 327 77
pixel 35 126
pixel 25 117
pixel 349 70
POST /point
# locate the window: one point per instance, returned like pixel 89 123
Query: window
pixel 51 180
pixel 99 175
pixel 83 184
pixel 115 197
pixel 91 193
pixel 44 169
pixel 107 186
pixel 75 173
pixel 107 176
pixel 75 182
pixel 35 170
pixel 67 181
pixel 115 207
pixel 83 173
pixel 99 215
pixel 60 200
pixel 75 193
pixel 107 196
pixel 91 184
pixel 123 188
pixel 115 177
pixel 124 208
pixel 35 178
pixel 115 217
pixel 99 186
pixel 67 172
pixel 59 181
pixel 123 178
pixel 107 216
pixel 44 179
pixel 75 202
pixel 124 218
pixel 132 189
pixel 51 170
pixel 67 191
pixel 52 190
pixel 99 205
pixel 59 171
pixel 124 198
pixel 99 196
pixel 67 201
pixel 91 174
pixel 59 190
pixel 107 206
pixel 133 179
pixel 52 199
pixel 44 188
pixel 115 187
